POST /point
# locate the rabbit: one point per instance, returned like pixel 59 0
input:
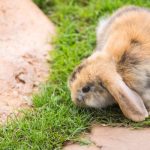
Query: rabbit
pixel 118 70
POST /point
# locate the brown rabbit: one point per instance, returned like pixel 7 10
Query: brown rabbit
pixel 118 71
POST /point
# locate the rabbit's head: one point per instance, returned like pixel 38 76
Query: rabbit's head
pixel 95 82
pixel 86 85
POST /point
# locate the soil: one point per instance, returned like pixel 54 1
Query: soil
pixel 25 36
pixel 115 138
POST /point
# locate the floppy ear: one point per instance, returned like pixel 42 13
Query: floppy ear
pixel 129 101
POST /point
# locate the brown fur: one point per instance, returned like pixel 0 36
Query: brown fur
pixel 121 63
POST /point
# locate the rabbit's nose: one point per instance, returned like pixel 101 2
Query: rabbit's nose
pixel 80 99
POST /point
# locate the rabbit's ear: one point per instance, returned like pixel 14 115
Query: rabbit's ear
pixel 129 101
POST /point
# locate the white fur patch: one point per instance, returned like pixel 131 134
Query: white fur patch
pixel 101 25
pixel 102 103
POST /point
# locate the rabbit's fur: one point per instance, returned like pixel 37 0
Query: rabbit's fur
pixel 118 71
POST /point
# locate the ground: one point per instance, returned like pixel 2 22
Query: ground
pixel 24 45
pixel 113 138
pixel 55 119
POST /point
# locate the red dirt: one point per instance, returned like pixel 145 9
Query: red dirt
pixel 25 35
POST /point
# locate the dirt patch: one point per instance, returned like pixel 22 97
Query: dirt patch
pixel 108 138
pixel 24 43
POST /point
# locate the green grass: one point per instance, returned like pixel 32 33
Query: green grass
pixel 55 119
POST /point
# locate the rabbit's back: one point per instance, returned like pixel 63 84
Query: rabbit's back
pixel 132 20
pixel 127 35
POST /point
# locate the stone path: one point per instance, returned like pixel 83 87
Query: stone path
pixel 109 138
pixel 25 35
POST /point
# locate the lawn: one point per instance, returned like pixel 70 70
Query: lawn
pixel 55 119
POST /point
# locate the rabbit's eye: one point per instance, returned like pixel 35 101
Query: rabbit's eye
pixel 85 89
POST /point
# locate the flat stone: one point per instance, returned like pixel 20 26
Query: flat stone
pixel 79 147
pixel 115 138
